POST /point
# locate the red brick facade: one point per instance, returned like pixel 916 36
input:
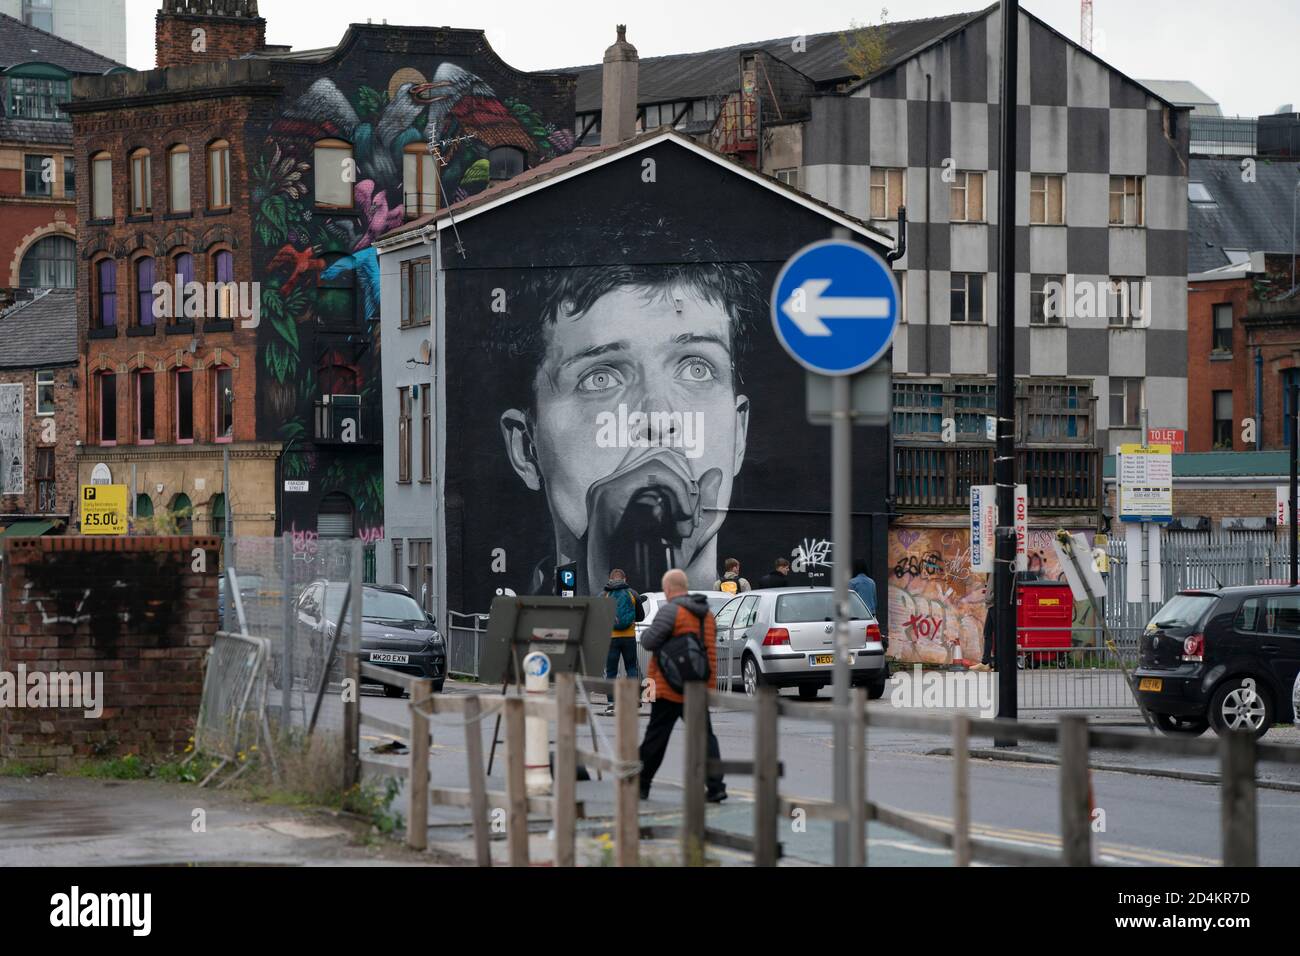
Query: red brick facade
pixel 182 40
pixel 61 439
pixel 131 609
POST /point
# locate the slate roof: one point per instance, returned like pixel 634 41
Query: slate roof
pixel 40 332
pixel 686 76
pixel 20 43
pixel 1254 216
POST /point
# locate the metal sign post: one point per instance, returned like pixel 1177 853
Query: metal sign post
pixel 835 309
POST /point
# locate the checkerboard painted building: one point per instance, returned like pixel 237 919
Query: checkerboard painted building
pixel 1078 118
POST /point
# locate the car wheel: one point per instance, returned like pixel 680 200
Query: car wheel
pixel 751 676
pixel 1181 726
pixel 436 686
pixel 1237 705
pixel 391 691
pixel 809 691
pixel 876 688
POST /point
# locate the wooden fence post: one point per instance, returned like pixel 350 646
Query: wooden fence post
pixel 478 806
pixel 1076 809
pixel 694 712
pixel 417 784
pixel 858 778
pixel 516 791
pixel 351 721
pixel 961 790
pixel 566 767
pixel 1237 806
pixel 627 786
pixel 766 784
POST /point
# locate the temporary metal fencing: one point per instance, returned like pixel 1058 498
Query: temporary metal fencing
pixel 465 643
pixel 232 714
pixel 292 590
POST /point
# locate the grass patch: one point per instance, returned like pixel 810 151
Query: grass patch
pixel 23 768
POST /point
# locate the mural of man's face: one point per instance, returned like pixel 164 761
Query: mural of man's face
pixel 637 432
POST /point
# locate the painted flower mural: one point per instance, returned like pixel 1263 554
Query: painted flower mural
pixel 321 275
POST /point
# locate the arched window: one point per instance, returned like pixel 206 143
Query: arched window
pixel 143 506
pixel 145 431
pixel 178 179
pixel 336 298
pixel 223 271
pixel 217 512
pixel 101 186
pixel 335 174
pixel 334 517
pixel 144 291
pixel 223 403
pixel 505 162
pixel 183 266
pixel 419 180
pixel 141 183
pixel 106 395
pixel 182 513
pixel 219 175
pixel 105 307
pixel 183 388
pixel 50 263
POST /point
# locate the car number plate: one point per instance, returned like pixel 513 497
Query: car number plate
pixel 819 660
pixel 1151 683
pixel 377 657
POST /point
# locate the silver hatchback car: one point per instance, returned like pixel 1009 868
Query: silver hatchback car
pixel 784 637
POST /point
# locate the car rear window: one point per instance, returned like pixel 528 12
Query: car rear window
pixel 1183 610
pixel 815 606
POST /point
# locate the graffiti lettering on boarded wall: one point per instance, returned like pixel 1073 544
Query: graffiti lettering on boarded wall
pixel 937 603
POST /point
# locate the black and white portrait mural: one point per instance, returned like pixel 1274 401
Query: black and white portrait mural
pixel 12 439
pixel 616 397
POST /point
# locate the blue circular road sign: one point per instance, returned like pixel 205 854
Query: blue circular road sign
pixel 835 307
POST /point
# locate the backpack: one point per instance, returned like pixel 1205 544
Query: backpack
pixel 683 657
pixel 731 587
pixel 624 608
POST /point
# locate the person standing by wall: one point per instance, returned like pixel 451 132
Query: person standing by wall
pixel 622 640
pixel 731 581
pixel 778 577
pixel 682 613
pixel 989 661
pixel 862 583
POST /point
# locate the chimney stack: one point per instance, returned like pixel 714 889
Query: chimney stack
pixel 206 31
pixel 618 91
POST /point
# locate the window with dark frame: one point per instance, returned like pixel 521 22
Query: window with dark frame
pixel 141 183
pixel 1223 419
pixel 219 175
pixel 404 434
pixel 35 180
pixel 415 293
pixel 184 405
pixel 107 408
pixel 1222 342
pixel 144 292
pixel 967 298
pixel 46 494
pixel 69 177
pixel 1127 201
pixel 106 293
pixel 426 436
pixel 1040 289
pixel 144 407
pixel 45 392
pixel 223 401
pixel 1125 402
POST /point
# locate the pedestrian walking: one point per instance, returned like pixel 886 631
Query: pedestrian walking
pixel 684 619
pixel 864 585
pixel 989 661
pixel 622 640
pixel 731 581
pixel 778 577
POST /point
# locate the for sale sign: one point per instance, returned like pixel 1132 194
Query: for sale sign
pixel 983 527
pixel 1022 527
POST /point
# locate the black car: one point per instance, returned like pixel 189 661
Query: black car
pixel 395 631
pixel 1225 658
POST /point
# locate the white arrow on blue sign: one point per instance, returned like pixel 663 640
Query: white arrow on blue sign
pixel 835 307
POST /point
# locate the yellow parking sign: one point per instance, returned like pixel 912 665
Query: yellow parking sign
pixel 103 509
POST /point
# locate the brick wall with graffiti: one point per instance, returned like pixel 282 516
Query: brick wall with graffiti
pixel 937 603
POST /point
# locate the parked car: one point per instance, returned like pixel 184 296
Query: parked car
pixel 784 637
pixel 1226 658
pixel 250 586
pixel 395 631
pixel 1295 701
pixel 653 601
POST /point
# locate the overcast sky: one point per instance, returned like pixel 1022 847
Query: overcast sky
pixel 1243 54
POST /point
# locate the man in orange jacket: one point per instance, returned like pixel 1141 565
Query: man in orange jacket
pixel 681 613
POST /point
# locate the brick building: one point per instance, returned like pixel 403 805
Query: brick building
pixel 40 414
pixel 1243 317
pixel 320 152
pixel 38 181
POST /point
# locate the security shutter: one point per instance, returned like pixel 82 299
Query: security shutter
pixel 334 519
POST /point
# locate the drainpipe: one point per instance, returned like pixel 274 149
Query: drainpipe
pixel 1259 399
pixel 926 259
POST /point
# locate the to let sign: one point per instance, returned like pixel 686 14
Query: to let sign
pixel 1175 438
